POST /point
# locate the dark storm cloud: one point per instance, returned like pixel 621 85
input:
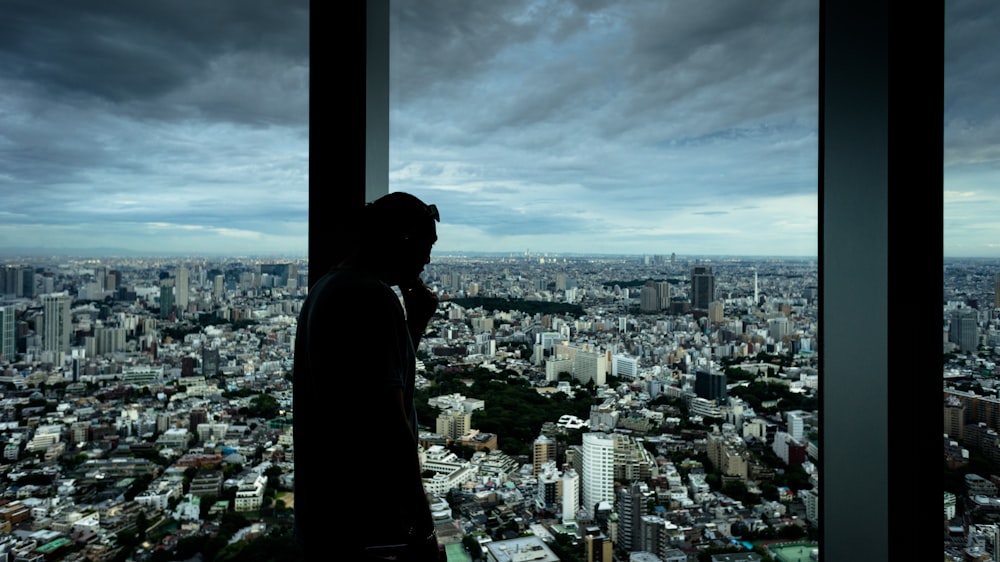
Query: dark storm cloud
pixel 625 125
pixel 180 119
pixel 128 52
pixel 972 119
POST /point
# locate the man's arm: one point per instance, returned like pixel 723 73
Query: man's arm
pixel 422 533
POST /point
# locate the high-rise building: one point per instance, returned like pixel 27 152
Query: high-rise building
pixel 183 284
pixel 14 281
pixel 590 366
pixel 716 312
pixel 623 366
pixel 649 301
pixel 28 283
pixel 196 417
pixel 209 362
pixel 57 322
pixel 561 281
pixel 218 287
pixel 109 340
pixel 454 423
pixel 654 296
pixel 777 328
pixel 796 424
pixel 702 287
pixel 996 290
pixel 598 470
pixel 663 292
pixel 284 274
pixel 549 484
pixel 542 451
pixel 964 329
pixel 570 494
pixel 710 386
pixel 166 300
pixel 630 506
pixel 8 347
pixel 954 418
pixel 597 545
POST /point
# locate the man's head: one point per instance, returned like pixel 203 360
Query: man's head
pixel 397 232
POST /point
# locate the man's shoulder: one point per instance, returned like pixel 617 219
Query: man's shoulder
pixel 349 279
pixel 349 286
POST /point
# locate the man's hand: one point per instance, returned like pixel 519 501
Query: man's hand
pixel 421 304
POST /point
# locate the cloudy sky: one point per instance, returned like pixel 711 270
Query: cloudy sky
pixel 971 129
pixel 550 126
pixel 175 125
pixel 611 127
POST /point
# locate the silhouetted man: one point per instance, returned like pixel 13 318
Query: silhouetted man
pixel 357 471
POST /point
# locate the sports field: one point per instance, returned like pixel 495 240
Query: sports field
pixel 794 551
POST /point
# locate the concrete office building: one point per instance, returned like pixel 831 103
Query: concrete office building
pixel 964 329
pixel 166 299
pixel 624 366
pixel 454 424
pixel 996 290
pixel 702 287
pixel 543 451
pixel 8 343
pixel 711 386
pixel 649 301
pixel 57 322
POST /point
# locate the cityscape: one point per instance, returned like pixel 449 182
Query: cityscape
pixel 571 407
pixel 971 334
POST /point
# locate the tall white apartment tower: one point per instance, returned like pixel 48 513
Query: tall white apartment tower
pixel 217 287
pixel 598 470
pixel 570 494
pixel 795 425
pixel 7 349
pixel 57 322
pixel 182 287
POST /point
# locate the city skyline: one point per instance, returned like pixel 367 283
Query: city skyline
pixel 671 128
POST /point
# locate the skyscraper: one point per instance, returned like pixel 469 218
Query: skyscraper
pixel 598 470
pixel 702 287
pixel 7 342
pixel 630 507
pixel 166 299
pixel 964 329
pixel 209 361
pixel 57 325
pixel 654 296
pixel 182 287
pixel 649 301
pixel 663 292
pixel 28 283
pixel 996 290
pixel 12 281
pixel 218 287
